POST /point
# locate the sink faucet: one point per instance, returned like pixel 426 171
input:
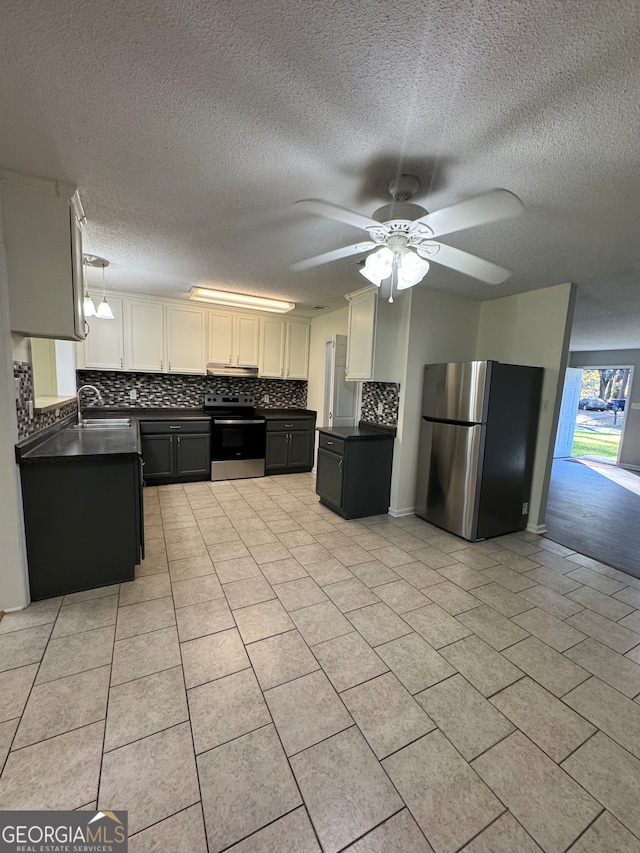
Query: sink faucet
pixel 78 395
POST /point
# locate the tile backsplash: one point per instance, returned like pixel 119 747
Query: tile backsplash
pixel 28 423
pixel 374 393
pixel 157 390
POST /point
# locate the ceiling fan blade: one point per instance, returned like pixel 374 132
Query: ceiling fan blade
pixel 468 264
pixel 335 255
pixel 334 211
pixel 489 207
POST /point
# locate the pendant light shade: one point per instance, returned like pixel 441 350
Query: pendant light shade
pixel 104 311
pixel 89 307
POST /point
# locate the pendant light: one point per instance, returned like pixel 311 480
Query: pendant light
pixel 103 311
pixel 89 307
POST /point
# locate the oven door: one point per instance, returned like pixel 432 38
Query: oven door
pixel 235 439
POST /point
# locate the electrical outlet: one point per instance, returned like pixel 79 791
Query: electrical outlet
pixel 265 398
pixel 30 409
pixel 133 394
pixel 525 507
pixel 379 408
pixel 17 381
pixel 545 406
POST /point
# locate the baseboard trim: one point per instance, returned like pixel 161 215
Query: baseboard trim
pixel 399 513
pixel 537 528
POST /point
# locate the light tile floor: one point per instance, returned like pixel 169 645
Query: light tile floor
pixel 277 679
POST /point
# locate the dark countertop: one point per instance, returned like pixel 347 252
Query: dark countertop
pixel 74 444
pixel 285 414
pixel 61 441
pixel 362 432
pixel 144 414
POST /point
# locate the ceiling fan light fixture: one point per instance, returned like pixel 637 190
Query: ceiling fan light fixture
pixel 370 276
pixel 380 263
pixel 240 300
pixel 411 270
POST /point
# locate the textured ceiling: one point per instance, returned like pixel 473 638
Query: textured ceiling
pixel 191 127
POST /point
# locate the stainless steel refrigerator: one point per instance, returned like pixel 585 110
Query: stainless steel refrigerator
pixel 477 442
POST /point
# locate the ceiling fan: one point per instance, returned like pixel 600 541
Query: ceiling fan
pixel 402 233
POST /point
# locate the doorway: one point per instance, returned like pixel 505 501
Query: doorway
pixel 592 414
pixel 340 396
pixel 590 495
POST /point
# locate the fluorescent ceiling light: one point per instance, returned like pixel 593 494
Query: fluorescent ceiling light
pixel 240 300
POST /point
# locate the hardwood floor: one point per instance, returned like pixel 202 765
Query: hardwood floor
pixel 593 515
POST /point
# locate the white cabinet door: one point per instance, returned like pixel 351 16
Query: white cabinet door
pixel 145 336
pixel 272 348
pixel 297 351
pixel 185 340
pixel 43 249
pixel 104 344
pixel 246 338
pixel 220 338
pixel 362 321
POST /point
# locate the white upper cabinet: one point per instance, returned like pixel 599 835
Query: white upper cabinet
pixel 169 336
pixel 374 336
pixel 362 319
pixel 104 344
pixel 233 339
pixel 246 330
pixel 43 248
pixel 220 338
pixel 284 349
pixel 272 343
pixel 297 350
pixel 144 336
pixel 185 339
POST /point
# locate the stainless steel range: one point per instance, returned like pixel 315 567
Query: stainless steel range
pixel 238 437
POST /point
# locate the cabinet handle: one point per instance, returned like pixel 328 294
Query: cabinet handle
pixel 238 359
pixel 121 362
pixel 162 365
pixel 340 466
pixel 178 441
pixel 171 440
pixel 330 442
pixel 174 427
pixel 288 426
pixel 289 437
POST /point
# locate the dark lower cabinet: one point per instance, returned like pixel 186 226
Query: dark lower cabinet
pixel 329 478
pixel 159 457
pixel 176 451
pixel 353 473
pixel 289 447
pixel 193 457
pixel 83 523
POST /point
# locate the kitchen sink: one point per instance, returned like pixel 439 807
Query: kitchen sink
pixel 104 423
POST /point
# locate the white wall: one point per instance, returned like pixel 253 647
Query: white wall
pixel 323 328
pixel 533 328
pixel 630 444
pixel 439 327
pixel 14 591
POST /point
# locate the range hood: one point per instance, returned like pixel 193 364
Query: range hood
pixel 230 370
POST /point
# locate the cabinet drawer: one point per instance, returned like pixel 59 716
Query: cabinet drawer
pixel 289 425
pixel 330 442
pixel 172 427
